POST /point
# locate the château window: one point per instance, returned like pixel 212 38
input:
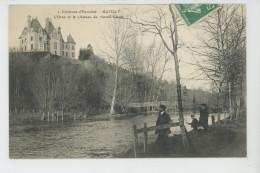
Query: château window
pixel 31 38
pixel 40 38
pixel 22 41
pixel 72 54
pixel 72 47
pixel 22 49
pixel 62 53
pixel 25 48
pixel 25 40
pixel 31 46
pixel 66 54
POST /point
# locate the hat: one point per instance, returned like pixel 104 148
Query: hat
pixel 203 104
pixel 163 107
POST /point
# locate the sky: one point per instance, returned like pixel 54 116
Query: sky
pixel 89 31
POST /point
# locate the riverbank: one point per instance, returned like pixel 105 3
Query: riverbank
pixel 40 118
pixel 223 141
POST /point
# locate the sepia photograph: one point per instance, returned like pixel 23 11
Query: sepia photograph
pixel 127 81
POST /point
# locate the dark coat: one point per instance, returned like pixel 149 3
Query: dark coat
pixel 163 119
pixel 204 114
pixel 194 124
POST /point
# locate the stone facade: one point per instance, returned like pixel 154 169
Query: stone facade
pixel 36 39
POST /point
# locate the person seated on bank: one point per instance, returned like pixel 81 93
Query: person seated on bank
pixel 194 123
pixel 163 118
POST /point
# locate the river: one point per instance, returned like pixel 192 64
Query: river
pixel 81 139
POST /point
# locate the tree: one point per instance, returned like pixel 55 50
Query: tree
pixel 163 23
pixel 162 66
pixel 223 49
pixel 134 55
pixel 119 32
pixel 154 57
pixel 20 72
pixel 133 62
pixel 67 84
pixel 85 54
pixel 44 83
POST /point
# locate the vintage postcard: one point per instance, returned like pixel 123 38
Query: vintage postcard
pixel 127 81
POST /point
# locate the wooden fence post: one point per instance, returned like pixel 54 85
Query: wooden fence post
pixel 136 141
pixel 57 115
pixel 225 119
pixel 62 112
pixel 219 121
pixel 213 120
pixel 145 138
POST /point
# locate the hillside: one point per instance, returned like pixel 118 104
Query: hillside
pixel 89 87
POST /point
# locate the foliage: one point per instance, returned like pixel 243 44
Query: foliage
pixel 48 82
pixel 224 51
pixel 85 54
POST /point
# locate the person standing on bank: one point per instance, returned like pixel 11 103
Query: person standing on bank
pixel 204 114
pixel 195 123
pixel 163 118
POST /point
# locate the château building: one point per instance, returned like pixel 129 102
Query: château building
pixel 35 38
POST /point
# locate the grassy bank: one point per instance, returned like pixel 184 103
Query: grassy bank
pixel 223 141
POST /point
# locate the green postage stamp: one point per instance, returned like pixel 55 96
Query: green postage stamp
pixel 191 13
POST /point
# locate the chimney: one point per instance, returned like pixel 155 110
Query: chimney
pixel 47 21
pixel 29 19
